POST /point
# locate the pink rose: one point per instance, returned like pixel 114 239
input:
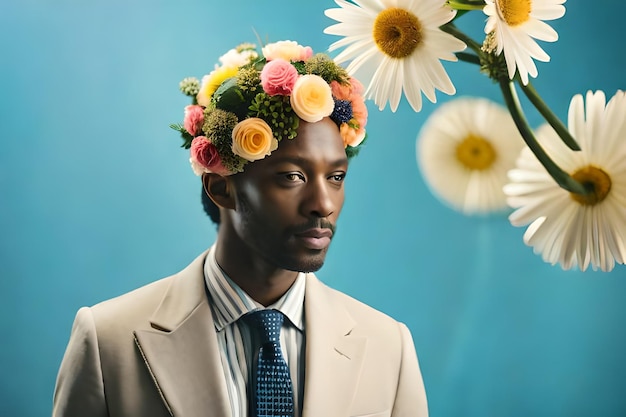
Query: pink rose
pixel 278 77
pixel 194 117
pixel 205 157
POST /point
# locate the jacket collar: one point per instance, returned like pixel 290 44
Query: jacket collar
pixel 334 355
pixel 182 355
pixel 181 350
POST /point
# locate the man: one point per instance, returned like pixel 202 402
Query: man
pixel 185 345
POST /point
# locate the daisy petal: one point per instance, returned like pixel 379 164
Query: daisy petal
pixel 516 30
pixel 413 66
pixel 464 151
pixel 572 230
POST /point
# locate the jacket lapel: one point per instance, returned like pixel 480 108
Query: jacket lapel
pixel 333 356
pixel 181 352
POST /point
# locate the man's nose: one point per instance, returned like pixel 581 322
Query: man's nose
pixel 319 201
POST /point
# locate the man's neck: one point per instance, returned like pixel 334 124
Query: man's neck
pixel 263 282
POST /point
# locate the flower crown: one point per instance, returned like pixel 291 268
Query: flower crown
pixel 248 104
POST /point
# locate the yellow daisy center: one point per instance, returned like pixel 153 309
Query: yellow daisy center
pixel 397 32
pixel 597 180
pixel 514 12
pixel 475 153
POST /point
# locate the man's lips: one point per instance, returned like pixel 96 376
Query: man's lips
pixel 315 238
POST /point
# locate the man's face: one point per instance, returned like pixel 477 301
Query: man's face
pixel 288 203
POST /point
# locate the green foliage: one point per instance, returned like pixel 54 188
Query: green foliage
pixel 190 86
pixel 249 83
pixel 300 67
pixel 218 125
pixel 187 138
pixel 352 151
pixel 230 97
pixel 325 67
pixel 277 112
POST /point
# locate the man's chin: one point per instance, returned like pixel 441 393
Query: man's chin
pixel 308 264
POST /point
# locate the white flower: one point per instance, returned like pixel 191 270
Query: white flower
pixel 464 151
pixel 568 228
pixel 397 45
pixel 287 50
pixel 515 23
pixel 238 57
pixel 197 167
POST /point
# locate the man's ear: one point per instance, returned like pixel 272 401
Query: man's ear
pixel 219 189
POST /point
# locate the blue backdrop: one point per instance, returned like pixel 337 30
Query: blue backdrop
pixel 97 198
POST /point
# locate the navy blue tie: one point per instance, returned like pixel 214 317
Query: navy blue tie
pixel 273 394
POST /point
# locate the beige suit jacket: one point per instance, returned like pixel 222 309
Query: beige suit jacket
pixel 153 353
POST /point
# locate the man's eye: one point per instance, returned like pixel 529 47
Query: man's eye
pixel 338 177
pixel 294 176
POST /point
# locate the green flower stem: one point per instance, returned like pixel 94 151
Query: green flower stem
pixel 550 117
pixel 466 4
pixel 465 57
pixel 454 31
pixel 563 179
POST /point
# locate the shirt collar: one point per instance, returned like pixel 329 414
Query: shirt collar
pixel 230 302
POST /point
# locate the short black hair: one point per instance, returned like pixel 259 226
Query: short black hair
pixel 210 208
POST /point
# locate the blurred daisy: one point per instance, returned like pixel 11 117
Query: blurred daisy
pixel 397 45
pixel 515 23
pixel 464 151
pixel 572 229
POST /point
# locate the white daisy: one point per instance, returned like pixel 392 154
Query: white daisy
pixel 397 45
pixel 571 229
pixel 464 151
pixel 515 23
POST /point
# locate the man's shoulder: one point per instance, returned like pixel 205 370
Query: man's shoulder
pixel 139 304
pixel 132 308
pixel 354 306
pixel 137 296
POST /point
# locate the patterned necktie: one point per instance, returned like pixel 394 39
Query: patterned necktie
pixel 273 391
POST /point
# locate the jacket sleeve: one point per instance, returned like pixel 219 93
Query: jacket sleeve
pixel 411 395
pixel 79 387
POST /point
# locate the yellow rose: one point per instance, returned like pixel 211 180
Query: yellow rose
pixel 312 98
pixel 212 81
pixel 253 139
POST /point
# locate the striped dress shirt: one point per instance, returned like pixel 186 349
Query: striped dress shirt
pixel 235 339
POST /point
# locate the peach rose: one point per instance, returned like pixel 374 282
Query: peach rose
pixel 194 117
pixel 311 98
pixel 356 86
pixel 347 92
pixel 359 111
pixel 278 77
pixel 341 92
pixel 253 139
pixel 287 50
pixel 205 158
pixel 351 136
